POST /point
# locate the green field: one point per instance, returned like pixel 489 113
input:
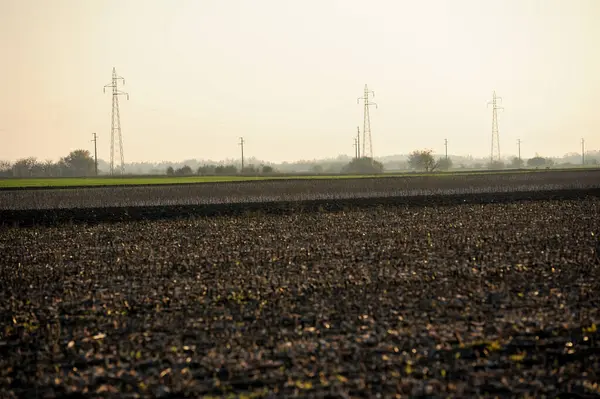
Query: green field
pixel 141 180
pixel 146 180
pixel 116 181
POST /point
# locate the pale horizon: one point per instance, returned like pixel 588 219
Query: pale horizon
pixel 286 76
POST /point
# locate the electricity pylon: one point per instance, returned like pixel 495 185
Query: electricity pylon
pixel 495 154
pixel 367 139
pixel 116 121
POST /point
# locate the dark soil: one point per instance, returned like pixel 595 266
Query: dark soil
pixel 92 215
pixel 460 301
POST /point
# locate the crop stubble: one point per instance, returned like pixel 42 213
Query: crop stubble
pixel 453 300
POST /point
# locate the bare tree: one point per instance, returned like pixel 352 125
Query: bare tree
pixel 5 168
pixel 423 160
pixel 24 167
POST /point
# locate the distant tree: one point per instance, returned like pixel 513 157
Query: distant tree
pixel 250 169
pixel 79 163
pixel 444 164
pixel 5 169
pixel 170 171
pixel 363 165
pixel 37 170
pixel 316 169
pixel 230 170
pixel 205 170
pixel 516 163
pixel 592 161
pixel 226 170
pixel 185 170
pixel 536 161
pixel 422 160
pixel 49 168
pixel 494 165
pixel 24 167
pixel 267 169
pixel 62 168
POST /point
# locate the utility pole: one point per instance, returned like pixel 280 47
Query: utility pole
pixel 582 152
pixel 495 155
pixel 355 149
pixel 242 146
pixel 95 140
pixel 116 121
pixel 358 142
pixel 446 145
pixel 367 124
pixel 519 145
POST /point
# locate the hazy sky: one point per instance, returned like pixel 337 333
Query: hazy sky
pixel 286 75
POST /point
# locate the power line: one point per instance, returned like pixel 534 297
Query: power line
pixel 116 121
pixel 519 145
pixel 495 154
pixel 367 151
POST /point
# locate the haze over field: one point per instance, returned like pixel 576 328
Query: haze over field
pixel 286 76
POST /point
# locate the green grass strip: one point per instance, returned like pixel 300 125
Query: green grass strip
pixel 151 180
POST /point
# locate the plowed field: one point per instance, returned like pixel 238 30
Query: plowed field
pixel 456 300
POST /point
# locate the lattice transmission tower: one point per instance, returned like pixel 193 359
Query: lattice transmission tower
pixel 116 121
pixel 495 154
pixel 367 142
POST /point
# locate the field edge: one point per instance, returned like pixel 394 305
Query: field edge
pixel 45 217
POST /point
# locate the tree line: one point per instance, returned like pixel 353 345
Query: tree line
pixel 219 170
pixel 78 163
pixel 362 165
pixel 424 160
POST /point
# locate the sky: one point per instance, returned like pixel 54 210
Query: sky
pixel 286 76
